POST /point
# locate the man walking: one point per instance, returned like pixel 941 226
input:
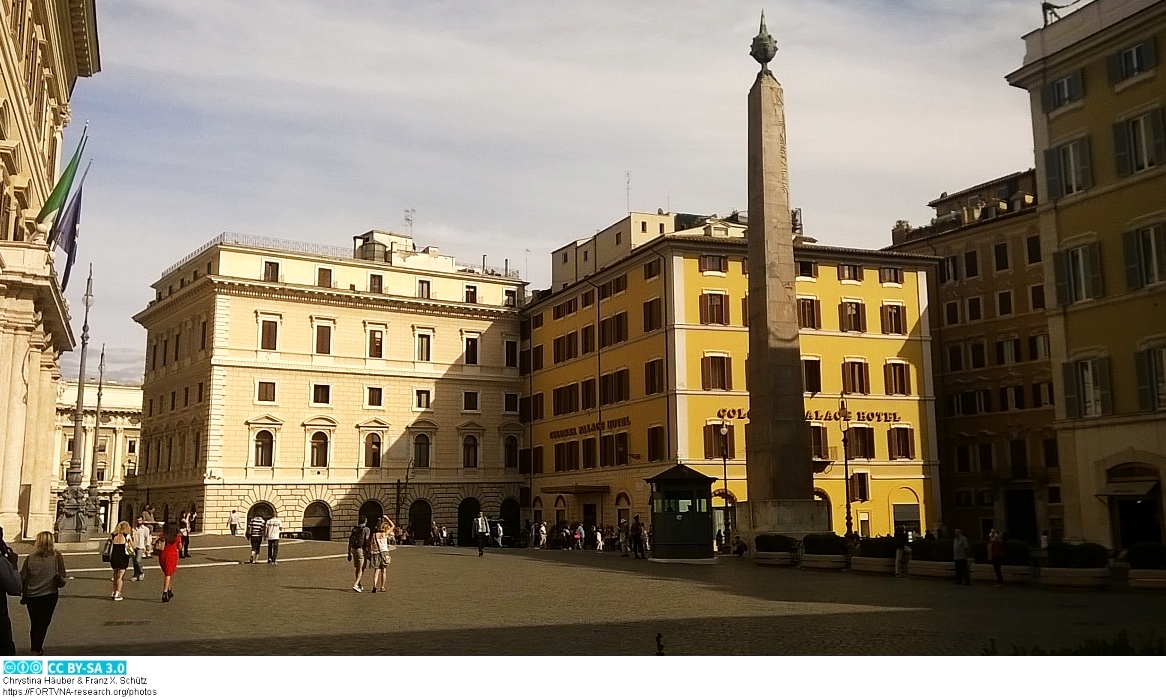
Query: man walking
pixel 233 523
pixel 255 534
pixel 271 530
pixel 498 533
pixel 140 539
pixel 638 536
pixel 900 551
pixel 356 542
pixel 959 552
pixel 481 531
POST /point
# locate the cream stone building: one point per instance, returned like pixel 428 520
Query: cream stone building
pixel 45 45
pixel 322 382
pixel 117 439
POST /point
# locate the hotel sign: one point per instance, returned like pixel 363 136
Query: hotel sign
pixel 592 427
pixel 860 416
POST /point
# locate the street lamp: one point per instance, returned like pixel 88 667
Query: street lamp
pixel 844 416
pixel 725 475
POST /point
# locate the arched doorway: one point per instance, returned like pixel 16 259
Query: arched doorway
pixel 372 511
pixel 511 514
pixel 467 511
pixel 560 512
pixel 318 520
pixel 420 518
pixel 262 509
pixel 820 495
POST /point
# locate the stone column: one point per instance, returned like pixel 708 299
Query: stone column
pixel 34 429
pixel 40 514
pixel 18 385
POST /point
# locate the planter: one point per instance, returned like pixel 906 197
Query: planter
pixel 1148 579
pixel 827 562
pixel 873 565
pixel 1075 578
pixel 1012 574
pixel 931 569
pixel 773 559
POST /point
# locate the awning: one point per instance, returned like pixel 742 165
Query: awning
pixel 1128 488
pixel 576 489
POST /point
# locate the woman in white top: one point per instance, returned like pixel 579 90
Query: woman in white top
pixel 379 548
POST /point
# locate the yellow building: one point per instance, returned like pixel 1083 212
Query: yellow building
pixel 320 382
pixel 641 364
pixel 1096 99
pixel 45 46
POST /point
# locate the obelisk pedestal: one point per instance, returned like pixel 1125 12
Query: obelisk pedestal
pixel 779 469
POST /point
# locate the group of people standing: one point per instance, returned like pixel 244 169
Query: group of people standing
pixel 128 546
pixel 368 548
pixel 630 538
pixel 258 530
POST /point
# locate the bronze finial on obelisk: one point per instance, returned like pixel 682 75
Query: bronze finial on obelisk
pixel 764 48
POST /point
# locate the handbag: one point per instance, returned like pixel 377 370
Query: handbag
pixel 107 551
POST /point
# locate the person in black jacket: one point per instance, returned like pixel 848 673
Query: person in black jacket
pixel 11 584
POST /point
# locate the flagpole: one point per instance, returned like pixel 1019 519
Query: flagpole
pixel 91 506
pixel 71 526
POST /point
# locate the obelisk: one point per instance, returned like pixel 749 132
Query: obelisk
pixel 779 469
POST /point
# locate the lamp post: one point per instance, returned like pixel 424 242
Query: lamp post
pixel 93 505
pixel 71 525
pixel 725 477
pixel 845 417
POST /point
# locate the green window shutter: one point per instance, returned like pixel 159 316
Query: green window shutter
pixel 1157 139
pixel 1102 366
pixel 1096 281
pixel 1053 173
pixel 1121 149
pixel 1085 165
pixel 1145 381
pixel 1062 278
pixel 1072 395
pixel 1113 68
pixel 1129 245
pixel 1076 86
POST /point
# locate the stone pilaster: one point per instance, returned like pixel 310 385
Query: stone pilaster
pixel 40 508
pixel 16 410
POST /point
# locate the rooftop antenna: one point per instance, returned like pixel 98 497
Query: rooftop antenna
pixel 627 175
pixel 409 220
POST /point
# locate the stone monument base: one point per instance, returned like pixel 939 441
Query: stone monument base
pixel 792 517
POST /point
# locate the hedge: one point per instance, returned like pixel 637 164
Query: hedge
pixel 932 550
pixel 775 543
pixel 1147 555
pixel 878 547
pixel 1087 555
pixel 824 543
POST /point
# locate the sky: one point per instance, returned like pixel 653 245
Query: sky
pixel 511 128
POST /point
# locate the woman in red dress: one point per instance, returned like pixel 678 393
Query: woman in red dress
pixel 168 545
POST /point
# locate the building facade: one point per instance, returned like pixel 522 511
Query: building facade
pixel 640 365
pixel 321 383
pixel 45 46
pixel 998 450
pixel 1097 115
pixel 117 442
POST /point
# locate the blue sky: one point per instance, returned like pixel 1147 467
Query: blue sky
pixel 508 127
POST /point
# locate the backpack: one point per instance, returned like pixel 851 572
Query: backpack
pixel 356 538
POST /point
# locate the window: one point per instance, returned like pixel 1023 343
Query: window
pixel 270 271
pixel 653 377
pixel 951 313
pixel 323 339
pixel 471 355
pixel 963 458
pixel 714 309
pixel 811 375
pixel 1032 243
pixel 185 396
pixel 615 286
pixel 1036 297
pixel 653 315
pixel 657 446
pixel 1054 495
pixel 319 449
pixel 714 263
pixel 375 396
pixel 376 343
pixel 324 277
pixel 587 298
pixel 322 394
pixel 131 447
pixel 424 346
pixel 963 499
pixel 1000 255
pixel 985 456
pixel 613 387
pixel 536 358
pixel 1087 390
pixel 984 498
pixel 423 289
pixel 852 316
pixel 891 275
pixel 718 446
pixel 955 358
pixel 1132 61
pixel 587 339
pixel 510 403
pixel 1038 347
pixel 376 283
pixel 1078 273
pixel 1052 456
pixel 165 351
pixel 979 352
pixel 469 401
pixel 819 444
pixel 588 398
pixel 1008 351
pixel 613 329
pixel 975 309
pixel 1004 303
pixel 510 351
pixel 536 321
pixel 173 397
pixel 809 313
pixel 897 376
pixel 536 407
pixel 471 294
pixel 1151 370
pixel 1018 458
pixel 421 444
pixel 850 272
pixel 1042 394
pixel 265 392
pixel 1068 168
pixel 860 445
pixel 1145 256
pixel 565 399
pixel 807 268
pixel 264 448
pixel 716 372
pixel 202 336
pixel 652 269
pixel 1062 91
pixel 470 452
pixel 949 270
pixel 901 443
pixel 421 398
pixel 971 264
pixel 268 334
pixel 372 451
pixel 855 377
pixel 894 317
pixel 510 297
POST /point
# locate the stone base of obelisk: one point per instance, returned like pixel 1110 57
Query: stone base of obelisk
pixel 791 517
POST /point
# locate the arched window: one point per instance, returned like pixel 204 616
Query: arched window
pixel 372 451
pixel 421 451
pixel 510 447
pixel 319 449
pixel 264 448
pixel 470 452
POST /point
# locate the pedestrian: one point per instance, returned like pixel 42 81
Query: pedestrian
pixel 542 534
pixel 624 538
pixel 445 536
pixel 379 559
pixel 141 542
pixel 639 534
pixel 959 552
pixel 119 557
pixel 599 539
pixel 356 541
pixel 498 532
pixel 168 545
pixel 996 547
pixel 739 546
pixel 10 585
pixel 42 575
pixel 255 534
pixel 233 523
pixel 193 519
pixel 720 540
pixel 481 530
pixel 184 530
pixel 579 535
pixel 272 530
pixel 900 551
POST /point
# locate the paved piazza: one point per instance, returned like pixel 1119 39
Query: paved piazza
pixel 448 601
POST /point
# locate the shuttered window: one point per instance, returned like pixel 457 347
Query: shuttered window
pixel 855 377
pixel 268 336
pixel 852 316
pixel 809 313
pixel 901 443
pixel 717 446
pixel 716 372
pixel 714 309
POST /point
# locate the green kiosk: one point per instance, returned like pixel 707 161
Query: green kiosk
pixel 682 521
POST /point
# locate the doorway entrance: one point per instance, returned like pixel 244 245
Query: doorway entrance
pixel 1138 519
pixel 262 509
pixel 467 512
pixel 590 516
pixel 420 519
pixel 511 514
pixel 372 511
pixel 318 521
pixel 1020 515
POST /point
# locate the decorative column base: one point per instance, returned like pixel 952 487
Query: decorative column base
pixel 37 523
pixel 791 517
pixel 12 525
